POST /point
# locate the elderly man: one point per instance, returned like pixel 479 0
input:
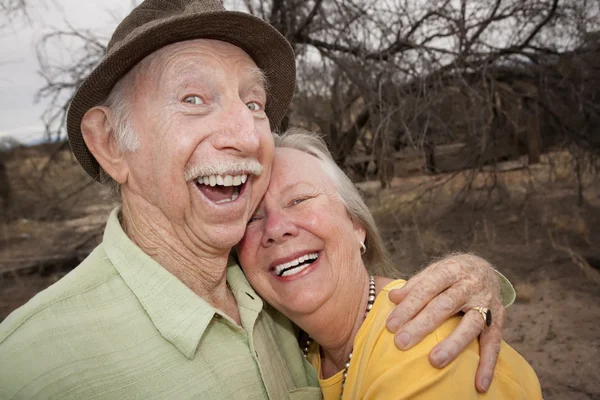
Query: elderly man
pixel 178 119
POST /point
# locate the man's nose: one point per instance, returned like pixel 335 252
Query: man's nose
pixel 279 228
pixel 239 130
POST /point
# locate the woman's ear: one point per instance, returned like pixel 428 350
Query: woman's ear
pixel 96 128
pixel 359 230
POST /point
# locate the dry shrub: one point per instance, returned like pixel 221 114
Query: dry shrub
pixel 489 229
pixel 573 224
pixel 402 205
pixel 430 242
pixel 525 292
pixel 577 259
pixel 561 165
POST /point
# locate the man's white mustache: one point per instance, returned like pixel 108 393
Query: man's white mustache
pixel 236 167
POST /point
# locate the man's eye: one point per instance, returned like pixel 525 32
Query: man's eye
pixel 254 106
pixel 193 100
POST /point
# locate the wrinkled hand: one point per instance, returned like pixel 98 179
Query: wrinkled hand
pixel 456 283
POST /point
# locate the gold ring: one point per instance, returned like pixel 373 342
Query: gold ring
pixel 486 314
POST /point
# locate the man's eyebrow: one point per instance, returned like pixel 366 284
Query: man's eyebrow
pixel 258 76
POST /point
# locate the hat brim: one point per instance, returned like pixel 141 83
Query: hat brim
pixel 264 44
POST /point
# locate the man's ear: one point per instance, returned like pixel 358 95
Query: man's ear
pixel 96 128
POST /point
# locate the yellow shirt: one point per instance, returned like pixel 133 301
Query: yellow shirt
pixel 379 370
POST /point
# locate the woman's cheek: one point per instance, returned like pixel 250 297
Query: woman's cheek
pixel 313 219
pixel 249 242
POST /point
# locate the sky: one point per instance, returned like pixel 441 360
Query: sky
pixel 19 78
pixel 20 115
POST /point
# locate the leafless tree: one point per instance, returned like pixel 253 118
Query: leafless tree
pixel 66 57
pixel 430 73
pixel 12 11
pixel 83 49
pixel 499 77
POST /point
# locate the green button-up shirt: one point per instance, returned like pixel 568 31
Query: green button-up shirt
pixel 120 326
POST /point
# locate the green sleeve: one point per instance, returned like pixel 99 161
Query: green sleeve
pixel 507 291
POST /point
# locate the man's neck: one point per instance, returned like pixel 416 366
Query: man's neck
pixel 204 272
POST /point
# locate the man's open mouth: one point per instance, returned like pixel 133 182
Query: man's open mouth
pixel 221 189
pixel 295 266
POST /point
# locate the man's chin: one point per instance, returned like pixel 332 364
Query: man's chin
pixel 223 225
pixel 221 236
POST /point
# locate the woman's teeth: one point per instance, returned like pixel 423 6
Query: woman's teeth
pixel 296 266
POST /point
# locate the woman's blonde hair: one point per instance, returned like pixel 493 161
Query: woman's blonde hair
pixel 376 257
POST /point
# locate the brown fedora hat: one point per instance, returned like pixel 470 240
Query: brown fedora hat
pixel 158 23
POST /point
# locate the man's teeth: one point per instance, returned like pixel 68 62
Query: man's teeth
pixel 293 267
pixel 223 180
pixel 234 196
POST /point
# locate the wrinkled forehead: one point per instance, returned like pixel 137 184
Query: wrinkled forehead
pixel 187 58
pixel 293 167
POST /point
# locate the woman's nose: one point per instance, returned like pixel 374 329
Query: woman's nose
pixel 279 228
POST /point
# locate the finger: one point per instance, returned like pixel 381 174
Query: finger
pixel 431 316
pixel 470 326
pixel 489 345
pixel 397 295
pixel 416 296
pixel 480 300
pixel 406 310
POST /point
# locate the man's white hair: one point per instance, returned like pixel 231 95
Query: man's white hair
pixel 376 257
pixel 119 103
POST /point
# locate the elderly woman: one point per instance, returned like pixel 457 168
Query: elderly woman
pixel 307 251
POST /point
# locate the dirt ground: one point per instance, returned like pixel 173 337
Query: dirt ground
pixel 537 235
pixel 555 322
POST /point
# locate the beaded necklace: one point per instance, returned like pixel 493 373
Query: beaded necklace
pixel 371 300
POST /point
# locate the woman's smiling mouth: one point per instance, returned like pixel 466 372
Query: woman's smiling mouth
pixel 296 265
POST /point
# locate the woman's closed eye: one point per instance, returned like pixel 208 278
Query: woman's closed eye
pixel 253 219
pixel 298 200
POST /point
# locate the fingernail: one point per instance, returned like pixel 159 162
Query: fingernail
pixel 393 324
pixel 402 340
pixel 440 358
pixel 486 384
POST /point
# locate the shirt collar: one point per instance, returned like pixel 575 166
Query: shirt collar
pixel 180 315
pixel 246 297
